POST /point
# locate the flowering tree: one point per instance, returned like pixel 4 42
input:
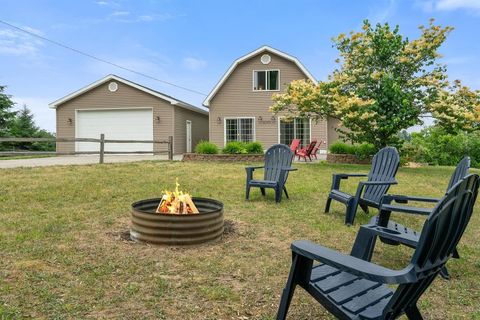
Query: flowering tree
pixel 457 108
pixel 384 83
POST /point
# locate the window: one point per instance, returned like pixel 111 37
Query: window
pixel 266 80
pixel 239 129
pixel 298 128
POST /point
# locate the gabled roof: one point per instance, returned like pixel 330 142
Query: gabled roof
pixel 110 77
pixel 206 102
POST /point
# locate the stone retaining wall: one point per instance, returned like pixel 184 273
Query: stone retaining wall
pixel 223 157
pixel 346 158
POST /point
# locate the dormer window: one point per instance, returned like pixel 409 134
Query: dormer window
pixel 266 80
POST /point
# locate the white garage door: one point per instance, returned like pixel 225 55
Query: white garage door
pixel 118 124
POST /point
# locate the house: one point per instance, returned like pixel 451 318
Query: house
pixel 239 103
pixel 122 109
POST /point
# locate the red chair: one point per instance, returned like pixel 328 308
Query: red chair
pixel 317 147
pixel 307 152
pixel 294 145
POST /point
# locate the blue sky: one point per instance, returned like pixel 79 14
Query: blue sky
pixel 192 43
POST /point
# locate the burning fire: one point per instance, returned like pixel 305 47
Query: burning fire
pixel 176 202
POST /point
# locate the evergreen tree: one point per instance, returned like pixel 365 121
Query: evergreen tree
pixel 23 124
pixel 6 115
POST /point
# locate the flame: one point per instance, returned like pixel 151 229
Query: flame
pixel 176 202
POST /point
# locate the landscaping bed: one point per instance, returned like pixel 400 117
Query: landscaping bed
pixel 64 256
pixel 347 159
pixel 223 157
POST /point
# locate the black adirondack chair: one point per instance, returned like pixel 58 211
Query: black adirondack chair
pixel 278 161
pixel 379 179
pixel 391 232
pixel 352 288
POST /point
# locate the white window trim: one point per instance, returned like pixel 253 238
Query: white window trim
pixel 225 128
pixel 294 130
pixel 266 80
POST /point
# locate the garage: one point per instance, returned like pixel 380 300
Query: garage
pixel 116 124
pixel 125 110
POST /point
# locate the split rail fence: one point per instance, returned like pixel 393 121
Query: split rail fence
pixel 101 148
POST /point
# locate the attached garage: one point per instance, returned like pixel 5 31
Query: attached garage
pixel 124 110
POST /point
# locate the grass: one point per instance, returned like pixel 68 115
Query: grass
pixel 63 257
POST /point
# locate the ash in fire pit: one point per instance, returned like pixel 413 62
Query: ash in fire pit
pixel 151 225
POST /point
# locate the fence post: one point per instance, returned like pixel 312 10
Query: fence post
pixel 102 147
pixel 170 148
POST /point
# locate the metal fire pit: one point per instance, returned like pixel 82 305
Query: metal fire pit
pixel 174 229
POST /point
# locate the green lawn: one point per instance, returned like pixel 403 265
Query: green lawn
pixel 62 253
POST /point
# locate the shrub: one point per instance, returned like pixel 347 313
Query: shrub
pixel 254 147
pixel 341 148
pixel 206 147
pixel 434 146
pixel 364 150
pixel 234 147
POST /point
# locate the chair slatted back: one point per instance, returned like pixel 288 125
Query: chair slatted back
pixel 440 235
pixel 310 147
pixel 294 144
pixel 384 168
pixel 277 156
pixel 460 172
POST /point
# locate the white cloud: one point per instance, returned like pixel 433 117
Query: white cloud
pixel 18 43
pixel 449 5
pixel 194 64
pixel 107 3
pixel 120 13
pixel 144 18
pixel 44 116
pixel 382 14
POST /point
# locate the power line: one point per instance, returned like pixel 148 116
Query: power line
pixel 100 59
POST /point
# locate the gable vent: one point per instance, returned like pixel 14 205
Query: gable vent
pixel 112 86
pixel 265 59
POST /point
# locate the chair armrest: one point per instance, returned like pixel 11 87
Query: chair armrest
pixel 355 266
pixel 347 175
pixel 289 169
pixel 250 170
pixel 404 199
pixel 378 183
pixel 404 209
pixel 254 167
pixel 338 177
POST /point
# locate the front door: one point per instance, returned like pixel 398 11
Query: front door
pixel 189 136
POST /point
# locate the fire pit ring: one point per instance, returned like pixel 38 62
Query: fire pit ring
pixel 177 229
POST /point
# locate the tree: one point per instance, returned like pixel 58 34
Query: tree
pixel 23 125
pixel 384 83
pixel 6 116
pixel 457 108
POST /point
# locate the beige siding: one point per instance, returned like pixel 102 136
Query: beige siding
pixel 236 98
pixel 125 97
pixel 332 134
pixel 199 129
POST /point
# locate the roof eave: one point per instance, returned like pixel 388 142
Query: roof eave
pixel 109 77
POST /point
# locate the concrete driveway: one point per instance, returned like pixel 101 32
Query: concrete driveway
pixel 79 160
